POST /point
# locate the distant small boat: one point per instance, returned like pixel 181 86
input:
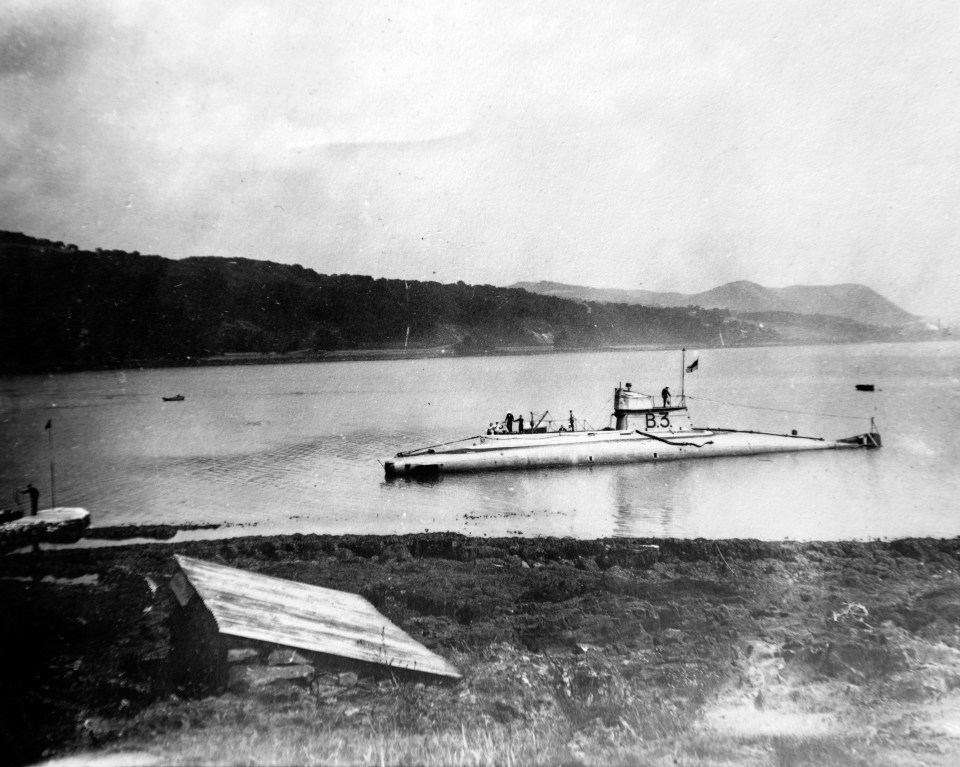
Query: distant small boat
pixel 178 398
pixel 865 387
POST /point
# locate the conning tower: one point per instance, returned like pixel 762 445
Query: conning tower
pixel 635 411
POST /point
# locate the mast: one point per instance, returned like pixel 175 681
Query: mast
pixel 683 375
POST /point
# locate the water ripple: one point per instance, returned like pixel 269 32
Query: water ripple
pixel 253 467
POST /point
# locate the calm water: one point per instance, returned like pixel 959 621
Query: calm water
pixel 269 449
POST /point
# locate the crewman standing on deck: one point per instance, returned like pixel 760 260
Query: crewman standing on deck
pixel 509 422
pixel 666 396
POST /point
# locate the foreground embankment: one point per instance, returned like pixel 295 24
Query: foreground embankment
pixel 572 652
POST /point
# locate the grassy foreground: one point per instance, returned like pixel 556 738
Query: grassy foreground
pixel 572 652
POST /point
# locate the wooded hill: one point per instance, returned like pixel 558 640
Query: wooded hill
pixel 62 308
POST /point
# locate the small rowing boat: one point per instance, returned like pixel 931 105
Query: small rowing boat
pixel 177 398
pixel 56 525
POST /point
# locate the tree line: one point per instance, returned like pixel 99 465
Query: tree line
pixel 64 308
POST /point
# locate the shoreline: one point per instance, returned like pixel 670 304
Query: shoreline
pixel 375 355
pixel 573 652
pixel 166 533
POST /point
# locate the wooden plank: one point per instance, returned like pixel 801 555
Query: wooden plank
pixel 308 617
pixel 182 589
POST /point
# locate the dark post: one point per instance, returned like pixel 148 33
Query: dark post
pixel 53 486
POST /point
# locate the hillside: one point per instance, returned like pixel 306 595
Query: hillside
pixel 67 309
pixel 604 295
pixel 854 302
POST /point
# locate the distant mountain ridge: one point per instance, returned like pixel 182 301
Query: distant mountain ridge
pixel 851 301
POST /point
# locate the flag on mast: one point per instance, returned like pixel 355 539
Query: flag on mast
pixel 693 365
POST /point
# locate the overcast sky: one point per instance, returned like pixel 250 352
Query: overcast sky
pixel 660 145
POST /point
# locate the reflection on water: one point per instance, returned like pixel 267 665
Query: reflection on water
pixel 649 498
pixel 297 448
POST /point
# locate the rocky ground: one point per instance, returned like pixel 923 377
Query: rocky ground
pixel 572 652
